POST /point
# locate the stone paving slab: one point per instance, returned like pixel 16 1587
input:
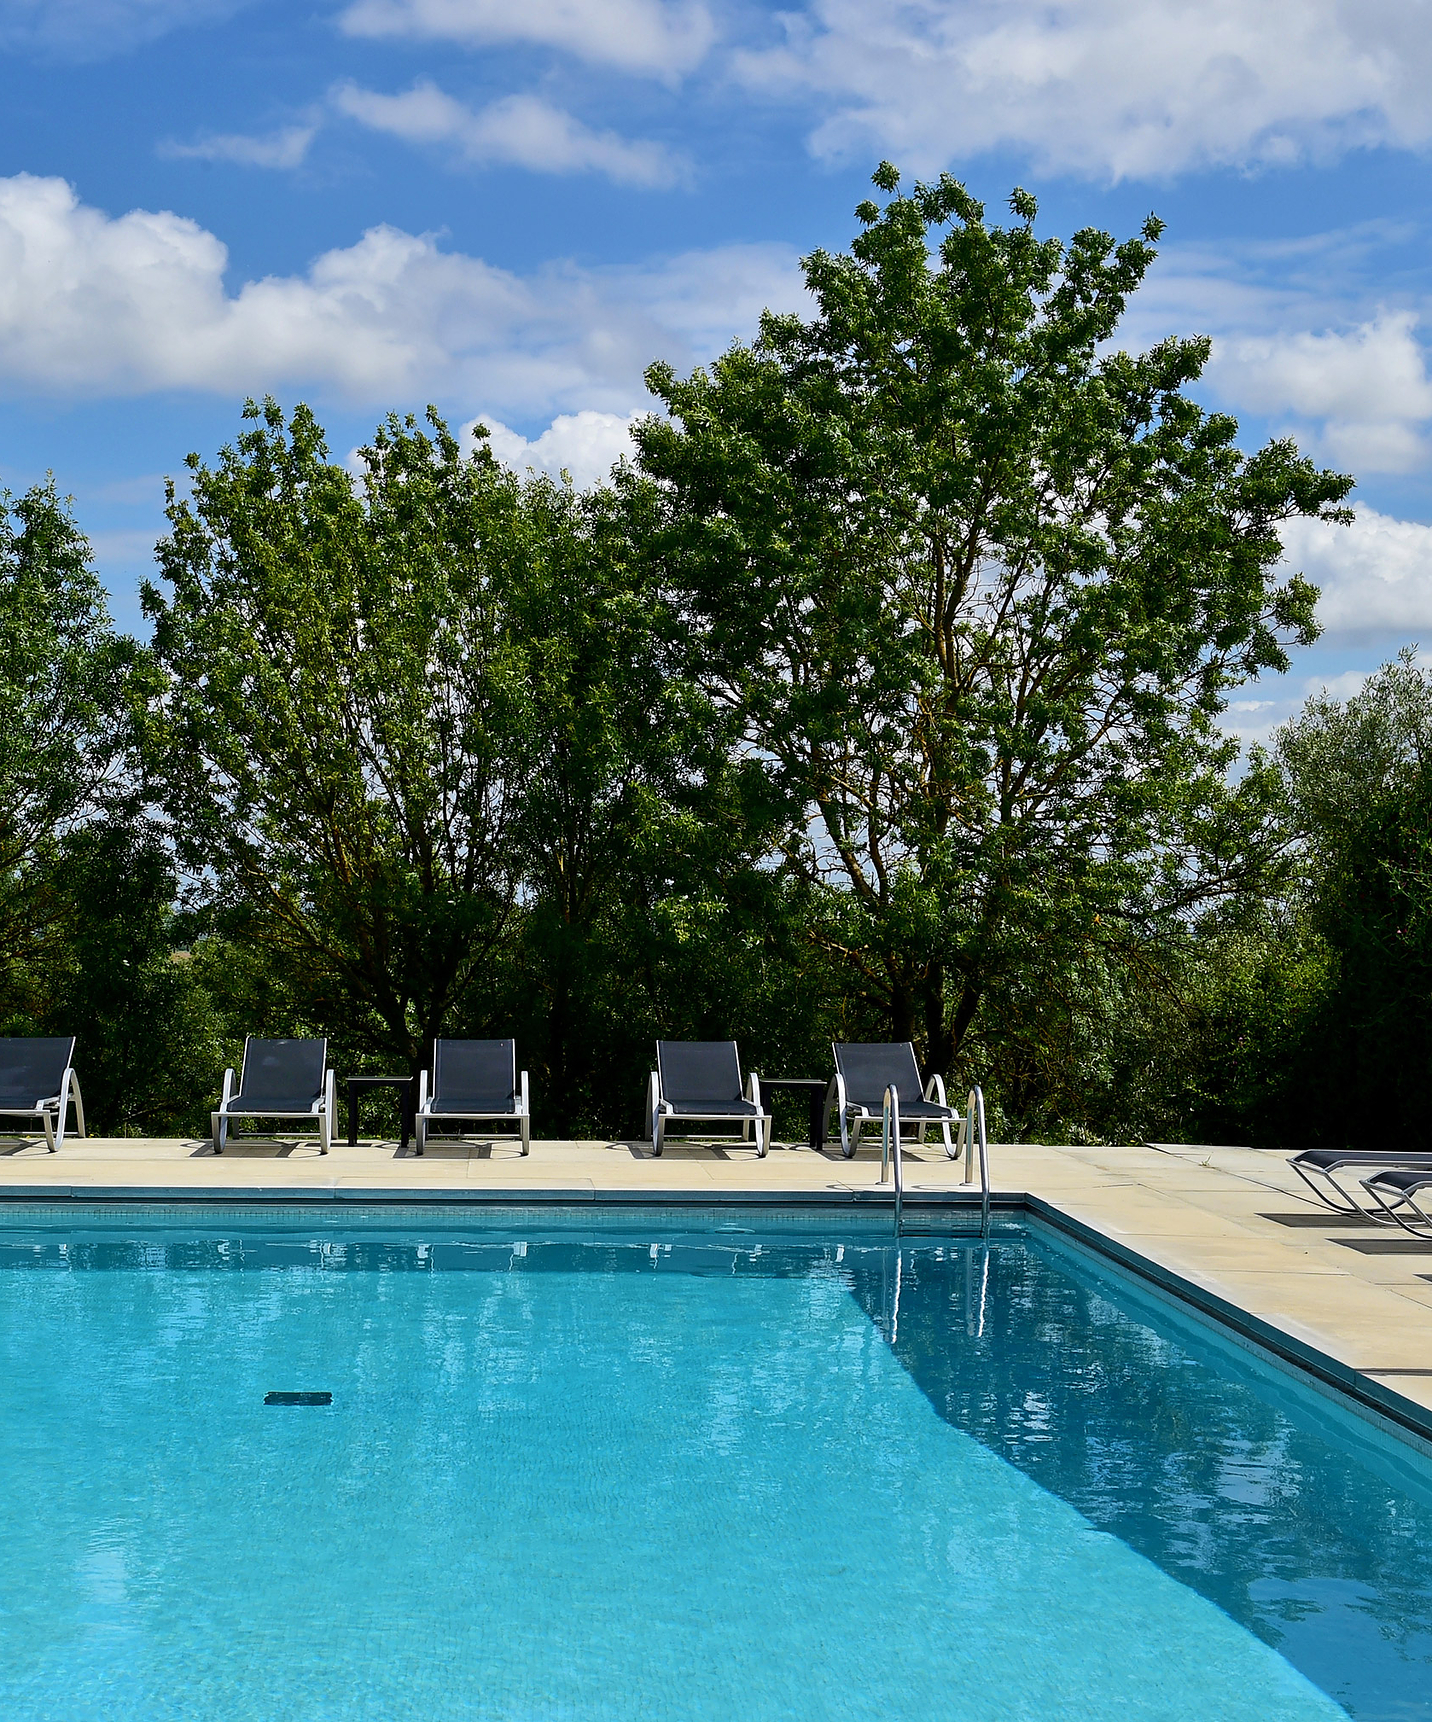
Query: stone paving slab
pixel 1230 1226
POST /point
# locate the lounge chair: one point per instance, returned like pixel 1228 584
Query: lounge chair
pixel 37 1080
pixel 1395 1191
pixel 1318 1168
pixel 473 1082
pixel 863 1072
pixel 699 1082
pixel 279 1079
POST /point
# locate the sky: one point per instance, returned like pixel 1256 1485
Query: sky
pixel 510 207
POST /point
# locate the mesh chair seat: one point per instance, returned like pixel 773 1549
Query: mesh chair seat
pixel 491 1107
pixel 271 1105
pixel 715 1109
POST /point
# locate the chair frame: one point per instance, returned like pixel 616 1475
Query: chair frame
pixel 850 1112
pixel 661 1111
pixel 53 1109
pixel 323 1110
pixel 1421 1226
pixel 520 1114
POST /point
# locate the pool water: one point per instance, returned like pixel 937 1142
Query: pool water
pixel 662 1475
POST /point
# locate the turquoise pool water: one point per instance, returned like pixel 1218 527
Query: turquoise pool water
pixel 654 1475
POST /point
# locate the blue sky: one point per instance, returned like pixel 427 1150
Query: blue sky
pixel 510 208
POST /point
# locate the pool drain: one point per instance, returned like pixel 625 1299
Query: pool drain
pixel 298 1398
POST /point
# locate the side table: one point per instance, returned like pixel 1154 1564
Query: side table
pixel 815 1088
pixel 404 1086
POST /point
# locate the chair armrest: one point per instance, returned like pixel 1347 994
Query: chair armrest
pixel 525 1104
pixel 421 1104
pixel 935 1090
pixel 753 1090
pixel 330 1092
pixel 228 1091
pixel 658 1099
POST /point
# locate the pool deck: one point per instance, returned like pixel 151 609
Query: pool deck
pixel 1230 1229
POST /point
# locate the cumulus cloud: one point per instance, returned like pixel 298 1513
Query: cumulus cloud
pixel 283 148
pixel 524 130
pixel 97 305
pixel 91 29
pixel 1302 339
pixel 587 445
pixel 1375 576
pixel 658 37
pixel 1365 389
pixel 1115 89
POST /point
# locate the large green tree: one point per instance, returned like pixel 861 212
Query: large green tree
pixel 67 737
pixel 344 732
pixel 974 582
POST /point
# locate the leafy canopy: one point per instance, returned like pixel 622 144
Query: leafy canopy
pixel 975 582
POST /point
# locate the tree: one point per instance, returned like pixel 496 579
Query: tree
pixel 343 733
pixel 974 585
pixel 67 737
pixel 1352 1065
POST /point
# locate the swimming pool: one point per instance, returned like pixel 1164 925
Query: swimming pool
pixel 771 1472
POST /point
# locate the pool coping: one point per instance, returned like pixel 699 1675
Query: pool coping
pixel 1349 1385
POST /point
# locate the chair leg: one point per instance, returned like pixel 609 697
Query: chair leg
pixel 658 1131
pixel 49 1127
pixel 526 1133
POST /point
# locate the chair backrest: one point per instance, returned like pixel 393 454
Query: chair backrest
pixel 474 1070
pixel 870 1067
pixel 32 1070
pixel 695 1072
pixel 286 1070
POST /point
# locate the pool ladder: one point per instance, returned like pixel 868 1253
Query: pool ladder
pixel 971 1135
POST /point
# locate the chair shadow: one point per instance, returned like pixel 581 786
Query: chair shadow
pixel 255 1148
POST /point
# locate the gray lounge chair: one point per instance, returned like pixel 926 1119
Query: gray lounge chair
pixel 279 1079
pixel 1395 1191
pixel 473 1082
pixel 1318 1168
pixel 37 1080
pixel 699 1082
pixel 863 1072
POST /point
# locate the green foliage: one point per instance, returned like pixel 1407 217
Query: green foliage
pixel 878 698
pixel 345 728
pixel 974 588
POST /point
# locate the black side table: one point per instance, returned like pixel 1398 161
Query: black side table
pixel 815 1088
pixel 404 1086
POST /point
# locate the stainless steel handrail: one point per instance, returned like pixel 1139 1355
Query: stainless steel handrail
pixel 890 1115
pixel 971 1125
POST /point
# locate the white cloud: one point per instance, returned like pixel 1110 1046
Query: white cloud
pixel 1365 388
pixel 96 305
pixel 1376 576
pixel 1302 337
pixel 649 36
pixel 1111 88
pixel 283 148
pixel 587 445
pixel 91 29
pixel 520 129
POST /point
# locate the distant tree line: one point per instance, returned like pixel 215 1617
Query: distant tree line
pixel 875 697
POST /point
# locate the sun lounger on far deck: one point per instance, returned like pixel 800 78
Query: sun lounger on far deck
pixel 1319 1169
pixel 37 1080
pixel 279 1079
